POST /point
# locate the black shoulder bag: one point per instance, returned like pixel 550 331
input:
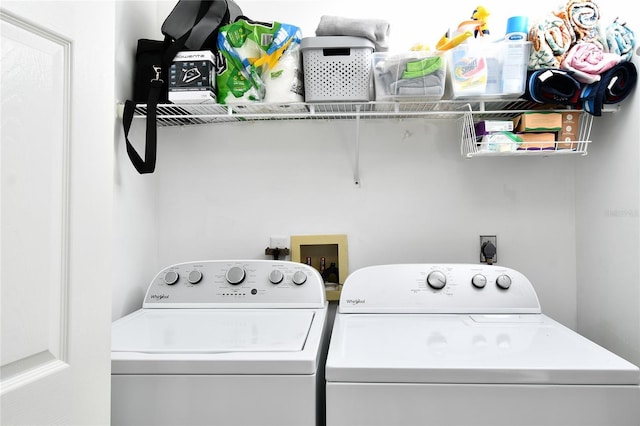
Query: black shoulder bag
pixel 191 25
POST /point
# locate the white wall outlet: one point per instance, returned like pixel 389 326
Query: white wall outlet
pixel 279 242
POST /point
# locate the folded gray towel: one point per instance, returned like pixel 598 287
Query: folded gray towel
pixel 427 85
pixel 376 30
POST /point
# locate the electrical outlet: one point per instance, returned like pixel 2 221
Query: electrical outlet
pixel 494 240
pixel 279 242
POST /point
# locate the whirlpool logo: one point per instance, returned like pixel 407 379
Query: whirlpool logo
pixel 159 296
pixel 355 301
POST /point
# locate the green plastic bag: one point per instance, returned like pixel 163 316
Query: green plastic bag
pixel 255 57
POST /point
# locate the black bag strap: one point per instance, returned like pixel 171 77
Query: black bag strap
pixel 147 165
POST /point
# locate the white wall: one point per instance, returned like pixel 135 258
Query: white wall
pixel 227 189
pixel 608 232
pixel 221 191
pixel 135 238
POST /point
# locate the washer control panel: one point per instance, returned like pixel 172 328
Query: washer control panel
pixel 236 283
pixel 438 288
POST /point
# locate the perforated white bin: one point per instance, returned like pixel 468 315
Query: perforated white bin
pixel 337 68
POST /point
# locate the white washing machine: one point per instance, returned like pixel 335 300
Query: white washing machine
pixel 224 343
pixel 456 344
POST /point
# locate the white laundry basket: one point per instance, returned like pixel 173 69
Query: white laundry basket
pixel 337 68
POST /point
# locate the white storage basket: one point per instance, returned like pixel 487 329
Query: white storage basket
pixel 337 68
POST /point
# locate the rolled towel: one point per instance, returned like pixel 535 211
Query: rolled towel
pixel 613 87
pixel 620 39
pixel 552 86
pixel 376 30
pixel 588 61
pixel 551 39
pixel 584 18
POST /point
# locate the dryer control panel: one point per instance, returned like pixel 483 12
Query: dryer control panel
pixel 235 284
pixel 438 288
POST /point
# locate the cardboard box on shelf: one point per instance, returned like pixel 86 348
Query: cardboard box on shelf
pixel 485 127
pixel 536 141
pixel 569 131
pixel 538 121
pixel 192 78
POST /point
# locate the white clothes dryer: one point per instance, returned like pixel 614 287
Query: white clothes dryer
pixel 223 342
pixel 457 344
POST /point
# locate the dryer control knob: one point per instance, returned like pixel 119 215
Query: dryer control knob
pixel 503 281
pixel 276 276
pixel 479 281
pixel 171 277
pixel 194 277
pixel 235 275
pixel 299 278
pixel 436 279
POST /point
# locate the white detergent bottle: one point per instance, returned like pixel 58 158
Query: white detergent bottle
pixel 469 69
pixel 515 56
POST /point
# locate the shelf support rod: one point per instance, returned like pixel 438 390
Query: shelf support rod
pixel 356 166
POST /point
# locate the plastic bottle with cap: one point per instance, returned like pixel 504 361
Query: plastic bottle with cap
pixel 517 28
pixel 515 56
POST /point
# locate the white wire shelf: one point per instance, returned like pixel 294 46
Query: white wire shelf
pixel 473 147
pixel 177 115
pixel 193 114
pixel 467 112
pixel 576 148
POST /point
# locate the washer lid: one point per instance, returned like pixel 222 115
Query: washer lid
pixel 430 348
pixel 166 331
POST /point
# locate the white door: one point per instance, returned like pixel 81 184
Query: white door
pixel 56 178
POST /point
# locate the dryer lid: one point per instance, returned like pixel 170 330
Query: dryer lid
pixel 498 349
pixel 211 331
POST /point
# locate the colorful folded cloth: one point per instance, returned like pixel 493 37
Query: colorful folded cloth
pixel 426 85
pixel 412 75
pixel 584 18
pixel 376 30
pixel 587 61
pixel 552 86
pixel 620 39
pixel 420 67
pixel 551 39
pixel 613 87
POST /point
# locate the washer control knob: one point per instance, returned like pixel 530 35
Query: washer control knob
pixel 171 277
pixel 479 281
pixel 276 276
pixel 299 278
pixel 503 281
pixel 235 275
pixel 194 277
pixel 436 279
